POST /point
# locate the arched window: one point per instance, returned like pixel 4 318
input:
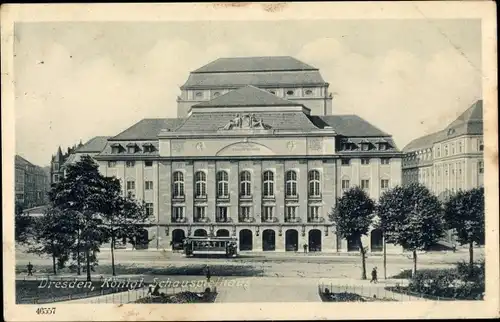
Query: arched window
pixel 290 92
pixel 291 183
pixel 222 184
pixel 178 184
pixel 314 183
pixel 200 179
pixel 309 92
pixel 245 184
pixel 268 184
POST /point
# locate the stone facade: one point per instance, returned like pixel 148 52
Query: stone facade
pixel 31 184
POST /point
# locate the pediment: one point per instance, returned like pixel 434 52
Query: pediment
pixel 242 148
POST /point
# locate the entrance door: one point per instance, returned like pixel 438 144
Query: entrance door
pixel 268 240
pixel 291 240
pixel 314 240
pixel 246 239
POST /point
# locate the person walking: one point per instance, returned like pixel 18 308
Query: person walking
pixel 374 276
pixel 305 248
pixel 30 269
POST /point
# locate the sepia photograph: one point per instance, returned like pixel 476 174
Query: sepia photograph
pixel 266 160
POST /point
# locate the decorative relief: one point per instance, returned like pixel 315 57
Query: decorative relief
pixel 291 145
pixel 200 146
pixel 316 144
pixel 179 165
pixel 178 146
pixel 247 121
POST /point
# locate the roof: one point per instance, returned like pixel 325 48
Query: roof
pixel 246 64
pixel 148 129
pixel 261 79
pixel 95 144
pixel 247 96
pixel 469 122
pixel 348 125
pixel 20 161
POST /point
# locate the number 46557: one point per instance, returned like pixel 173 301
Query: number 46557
pixel 46 310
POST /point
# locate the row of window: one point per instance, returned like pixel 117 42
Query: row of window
pixel 364 146
pixel 131 148
pixel 245 214
pixel 365 184
pixel 130 164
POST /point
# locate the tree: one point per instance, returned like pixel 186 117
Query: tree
pixel 412 217
pixel 53 235
pixel 352 216
pixel 23 224
pixel 80 193
pixel 464 213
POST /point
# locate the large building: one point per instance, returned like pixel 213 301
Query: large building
pixel 451 159
pixel 257 153
pixel 31 183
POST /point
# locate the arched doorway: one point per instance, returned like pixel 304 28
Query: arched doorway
pixel 352 245
pixel 268 240
pixel 376 240
pixel 222 233
pixel 246 239
pixel 291 240
pixel 178 236
pixel 200 233
pixel 314 240
pixel 142 239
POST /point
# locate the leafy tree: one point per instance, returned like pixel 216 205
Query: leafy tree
pixel 464 213
pixel 352 216
pixel 412 217
pixel 23 224
pixel 53 235
pixel 80 193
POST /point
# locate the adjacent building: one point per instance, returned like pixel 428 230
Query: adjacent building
pixel 451 159
pixel 256 152
pixel 31 183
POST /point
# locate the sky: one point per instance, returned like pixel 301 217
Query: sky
pixel 77 80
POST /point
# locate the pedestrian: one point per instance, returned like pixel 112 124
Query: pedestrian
pixel 30 269
pixel 305 248
pixel 374 275
pixel 207 272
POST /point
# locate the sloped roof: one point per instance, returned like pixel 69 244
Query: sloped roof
pixel 19 160
pixel 95 144
pixel 148 129
pixel 348 125
pixel 246 64
pixel 261 79
pixel 469 122
pixel 211 122
pixel 247 96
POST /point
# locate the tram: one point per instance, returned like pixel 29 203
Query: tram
pixel 214 246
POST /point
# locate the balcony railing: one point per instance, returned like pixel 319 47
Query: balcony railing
pixel 246 219
pixel 270 220
pixel 268 198
pixel 179 220
pixel 223 198
pixel 202 220
pixel 292 197
pixel 246 197
pixel 178 198
pixel 224 220
pixel 316 220
pixel 293 220
pixel 315 197
pixel 200 198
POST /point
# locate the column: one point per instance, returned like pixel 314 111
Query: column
pixel 234 193
pixel 279 187
pixel 189 190
pixel 328 179
pixel 302 187
pixel 164 192
pixel 257 191
pixel 211 191
pixel 375 178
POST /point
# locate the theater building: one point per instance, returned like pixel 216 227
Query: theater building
pixel 257 153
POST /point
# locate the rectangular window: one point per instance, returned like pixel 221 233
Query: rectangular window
pixel 385 161
pixel 384 184
pixel 115 149
pixel 480 167
pixel 365 161
pixel 199 213
pixel 130 185
pixel 148 185
pixel 149 209
pixel 245 212
pixel 131 149
pixel 313 212
pixel 346 161
pixel 148 163
pixel 267 213
pixel 365 184
pixel 222 214
pixel 291 212
pixel 365 147
pixel 130 164
pixel 177 213
pixel 345 184
pixel 481 145
pixel 111 164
